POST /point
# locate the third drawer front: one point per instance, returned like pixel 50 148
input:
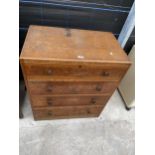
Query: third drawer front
pixel 51 88
pixel 45 100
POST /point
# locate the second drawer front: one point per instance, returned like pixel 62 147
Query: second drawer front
pixel 64 112
pixel 49 88
pixel 44 100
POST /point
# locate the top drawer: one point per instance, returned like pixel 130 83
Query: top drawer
pixel 105 72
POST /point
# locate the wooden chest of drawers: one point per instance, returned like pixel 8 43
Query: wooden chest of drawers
pixel 71 73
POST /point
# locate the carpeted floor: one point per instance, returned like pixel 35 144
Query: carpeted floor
pixel 112 133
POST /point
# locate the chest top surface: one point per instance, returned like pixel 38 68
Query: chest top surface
pixel 60 44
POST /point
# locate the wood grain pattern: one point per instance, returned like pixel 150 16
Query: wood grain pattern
pixel 51 88
pixel 67 112
pixel 51 70
pixel 49 43
pixel 71 100
pixel 71 73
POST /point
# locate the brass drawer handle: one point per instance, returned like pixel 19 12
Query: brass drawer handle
pixel 49 71
pixel 98 87
pixel 49 113
pixel 80 66
pixel 93 100
pixel 88 111
pixel 49 101
pixel 105 73
pixel 49 88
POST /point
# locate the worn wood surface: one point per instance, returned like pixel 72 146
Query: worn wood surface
pixel 49 43
pixel 71 73
pixel 82 70
pixel 67 112
pixel 61 100
pixel 71 87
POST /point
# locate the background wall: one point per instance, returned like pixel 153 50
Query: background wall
pixel 103 15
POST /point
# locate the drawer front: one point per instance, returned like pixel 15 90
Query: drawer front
pixel 75 71
pixel 45 100
pixel 49 88
pixel 66 112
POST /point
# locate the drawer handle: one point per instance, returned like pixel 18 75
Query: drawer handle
pixel 88 111
pixel 49 71
pixel 49 88
pixel 105 73
pixel 98 87
pixel 49 102
pixel 49 113
pixel 93 100
pixel 80 66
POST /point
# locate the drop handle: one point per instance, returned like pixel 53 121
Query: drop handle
pixel 105 73
pixel 93 100
pixel 49 113
pixel 49 88
pixel 98 87
pixel 88 111
pixel 49 71
pixel 49 102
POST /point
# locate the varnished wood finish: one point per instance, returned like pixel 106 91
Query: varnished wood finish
pixel 67 112
pixel 58 100
pixel 42 88
pixel 51 43
pixel 106 72
pixel 71 75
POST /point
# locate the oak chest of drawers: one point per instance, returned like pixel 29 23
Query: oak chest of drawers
pixel 71 73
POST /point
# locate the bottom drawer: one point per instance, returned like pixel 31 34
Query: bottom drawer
pixel 67 112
